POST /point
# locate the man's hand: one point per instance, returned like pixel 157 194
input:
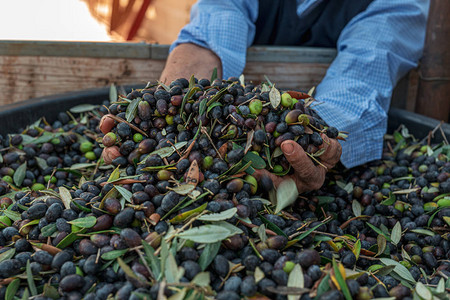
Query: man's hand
pixel 307 176
pixel 189 59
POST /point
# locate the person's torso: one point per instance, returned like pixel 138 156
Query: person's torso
pixel 315 23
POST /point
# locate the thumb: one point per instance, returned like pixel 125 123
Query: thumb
pixel 297 157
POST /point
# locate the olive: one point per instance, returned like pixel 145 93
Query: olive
pixel 307 258
pixel 277 242
pixel 71 283
pixel 131 237
pixel 124 218
pixel 235 185
pixel 112 206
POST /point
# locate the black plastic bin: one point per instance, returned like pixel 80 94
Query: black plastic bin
pixel 17 116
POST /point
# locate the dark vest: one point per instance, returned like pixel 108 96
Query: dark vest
pixel 279 24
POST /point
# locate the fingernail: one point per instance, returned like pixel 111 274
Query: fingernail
pixel 287 148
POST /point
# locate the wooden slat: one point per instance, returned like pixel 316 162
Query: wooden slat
pixel 434 73
pixel 75 49
pixel 156 51
pixel 26 77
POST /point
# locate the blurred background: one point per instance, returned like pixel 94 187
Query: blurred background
pixel 153 21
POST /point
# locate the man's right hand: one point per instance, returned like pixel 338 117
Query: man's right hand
pixel 188 59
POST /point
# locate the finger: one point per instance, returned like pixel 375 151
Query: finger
pixel 300 162
pixel 333 151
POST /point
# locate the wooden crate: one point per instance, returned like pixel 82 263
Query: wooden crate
pixel 33 69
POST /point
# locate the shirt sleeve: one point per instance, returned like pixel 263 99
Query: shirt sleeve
pixel 375 49
pixel 225 27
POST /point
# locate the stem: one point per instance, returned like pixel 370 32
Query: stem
pixel 205 132
pixel 313 158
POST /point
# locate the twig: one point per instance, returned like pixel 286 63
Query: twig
pixel 146 264
pixel 205 132
pixel 443 135
pixel 268 231
pixel 313 158
pixel 120 120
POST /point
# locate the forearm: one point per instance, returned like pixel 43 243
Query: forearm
pixel 189 59
pixel 374 50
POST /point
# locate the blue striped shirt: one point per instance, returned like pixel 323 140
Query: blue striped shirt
pixel 375 49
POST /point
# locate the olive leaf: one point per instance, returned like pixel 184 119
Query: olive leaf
pixel 45 137
pixel 112 93
pixel 19 174
pixel 390 200
pixel 129 271
pixel 126 194
pixel 275 97
pixel 272 226
pixel 13 215
pixel 114 175
pixel 423 231
pixel 7 254
pixel 383 271
pixel 356 208
pixel 218 95
pixel 172 272
pixel 201 279
pixel 65 196
pixel 379 231
pixel 132 108
pixel 308 232
pixel 152 259
pixel 341 281
pixel 70 238
pixel 202 107
pixel 423 291
pixel 166 151
pixel 30 279
pixel 213 75
pixel 205 234
pixel 12 288
pixel 48 230
pixel 296 279
pixel 42 163
pixel 183 189
pixel 83 108
pixel 324 286
pixel 208 254
pixel 396 234
pixel 224 215
pixel 248 145
pixel 80 166
pixel 287 193
pixel 261 230
pixel 357 249
pixel 86 222
pixel 233 230
pixel 257 161
pixel 50 291
pixel 185 215
pixel 242 80
pixel 212 106
pixel 381 243
pixel 277 152
pixel 401 270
